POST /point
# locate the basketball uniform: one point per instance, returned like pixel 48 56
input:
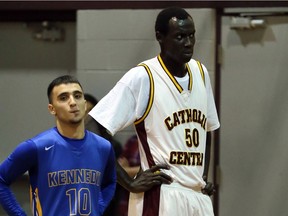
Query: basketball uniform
pixel 67 176
pixel 171 130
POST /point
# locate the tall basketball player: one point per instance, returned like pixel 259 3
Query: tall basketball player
pixel 169 99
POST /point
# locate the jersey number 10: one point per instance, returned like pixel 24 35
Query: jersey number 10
pixel 79 201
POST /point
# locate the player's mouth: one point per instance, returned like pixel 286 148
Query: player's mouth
pixel 188 52
pixel 75 111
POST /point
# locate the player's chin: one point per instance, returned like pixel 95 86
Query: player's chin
pixel 76 121
pixel 186 57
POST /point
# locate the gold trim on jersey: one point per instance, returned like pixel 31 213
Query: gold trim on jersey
pixel 151 94
pixel 201 71
pixel 172 78
pixel 35 202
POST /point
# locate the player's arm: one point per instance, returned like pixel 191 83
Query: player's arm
pixel 124 98
pixel 209 187
pixel 131 170
pixel 14 166
pixel 212 124
pixel 207 156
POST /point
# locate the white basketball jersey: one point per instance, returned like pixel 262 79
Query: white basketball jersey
pixel 172 131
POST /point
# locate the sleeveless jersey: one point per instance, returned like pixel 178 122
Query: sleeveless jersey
pixel 172 131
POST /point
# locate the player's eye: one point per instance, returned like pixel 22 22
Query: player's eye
pixel 63 97
pixel 179 37
pixel 192 35
pixel 78 95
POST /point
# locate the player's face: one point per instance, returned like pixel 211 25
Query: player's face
pixel 178 44
pixel 68 103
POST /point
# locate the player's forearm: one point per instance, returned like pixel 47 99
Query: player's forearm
pixel 207 155
pixel 9 203
pixel 123 178
pixel 132 171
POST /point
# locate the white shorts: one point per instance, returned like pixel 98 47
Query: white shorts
pixel 172 200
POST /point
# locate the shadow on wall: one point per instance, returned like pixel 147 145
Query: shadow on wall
pixel 250 36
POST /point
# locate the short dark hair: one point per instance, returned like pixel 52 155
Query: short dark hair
pixel 66 79
pixel 90 98
pixel 162 20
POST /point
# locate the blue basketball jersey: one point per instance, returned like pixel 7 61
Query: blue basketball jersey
pixel 67 176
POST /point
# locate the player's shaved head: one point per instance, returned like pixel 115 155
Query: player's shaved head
pixel 163 18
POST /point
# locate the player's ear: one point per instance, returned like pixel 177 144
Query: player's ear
pixel 159 37
pixel 51 109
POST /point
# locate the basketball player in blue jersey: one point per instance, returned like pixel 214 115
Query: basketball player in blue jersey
pixel 71 170
pixel 169 100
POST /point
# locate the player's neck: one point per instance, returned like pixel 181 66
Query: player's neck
pixel 178 70
pixel 72 131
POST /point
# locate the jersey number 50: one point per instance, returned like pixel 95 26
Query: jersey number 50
pixel 192 137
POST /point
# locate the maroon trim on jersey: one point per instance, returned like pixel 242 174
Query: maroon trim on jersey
pixel 152 197
pixel 151 202
pixel 140 129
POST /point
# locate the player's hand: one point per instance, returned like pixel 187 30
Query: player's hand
pixel 209 188
pixel 149 178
